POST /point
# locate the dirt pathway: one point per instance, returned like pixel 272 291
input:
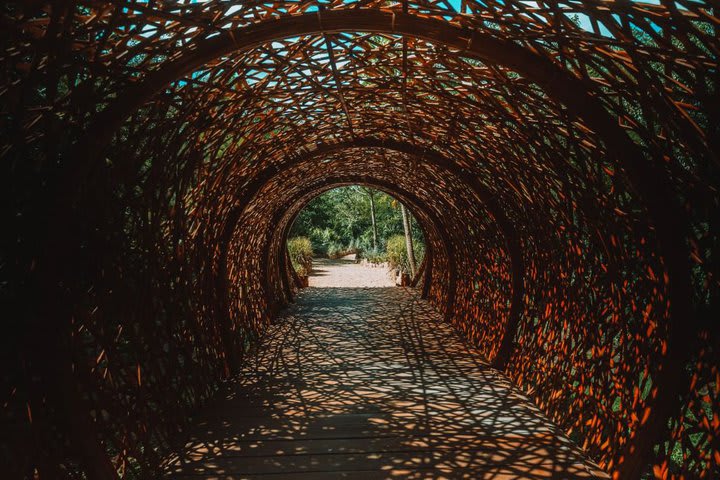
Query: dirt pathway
pixel 345 273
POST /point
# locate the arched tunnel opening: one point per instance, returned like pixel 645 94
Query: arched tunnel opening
pixel 560 158
pixel 355 224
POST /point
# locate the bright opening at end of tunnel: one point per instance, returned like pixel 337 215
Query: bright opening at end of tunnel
pixel 356 237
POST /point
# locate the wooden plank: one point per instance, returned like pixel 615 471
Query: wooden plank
pixel 401 461
pixel 371 383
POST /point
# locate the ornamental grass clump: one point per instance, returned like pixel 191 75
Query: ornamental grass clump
pixel 396 253
pixel 301 255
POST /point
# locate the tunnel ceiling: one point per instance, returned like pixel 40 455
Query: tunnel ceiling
pixel 561 158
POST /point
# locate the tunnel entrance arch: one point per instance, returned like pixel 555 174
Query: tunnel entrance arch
pixel 354 223
pixel 434 228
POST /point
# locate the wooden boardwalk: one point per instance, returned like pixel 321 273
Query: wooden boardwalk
pixel 367 383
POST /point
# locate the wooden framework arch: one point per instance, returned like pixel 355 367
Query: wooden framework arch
pixel 428 222
pixel 136 129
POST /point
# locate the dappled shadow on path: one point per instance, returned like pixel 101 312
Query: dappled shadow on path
pixel 368 383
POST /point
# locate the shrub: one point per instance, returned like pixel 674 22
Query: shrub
pixel 396 253
pixel 301 254
pixel 373 256
pixel 321 239
pixel 335 250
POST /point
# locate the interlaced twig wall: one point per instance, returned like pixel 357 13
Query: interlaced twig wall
pixel 561 157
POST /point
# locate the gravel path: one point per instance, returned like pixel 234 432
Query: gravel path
pixel 345 273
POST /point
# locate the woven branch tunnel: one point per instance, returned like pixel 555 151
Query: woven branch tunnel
pixel 560 157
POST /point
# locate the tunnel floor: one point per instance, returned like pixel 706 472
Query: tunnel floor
pixel 345 272
pixel 369 383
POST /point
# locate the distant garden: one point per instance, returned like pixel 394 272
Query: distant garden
pixel 357 220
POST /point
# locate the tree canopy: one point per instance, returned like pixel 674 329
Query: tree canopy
pixel 341 219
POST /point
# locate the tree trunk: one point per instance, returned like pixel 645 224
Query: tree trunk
pixel 408 239
pixel 372 217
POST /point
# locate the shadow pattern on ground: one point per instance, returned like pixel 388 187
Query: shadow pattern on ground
pixel 367 383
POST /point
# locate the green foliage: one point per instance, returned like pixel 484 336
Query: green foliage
pixel 335 250
pixel 375 257
pixel 301 254
pixel 339 221
pixel 396 253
